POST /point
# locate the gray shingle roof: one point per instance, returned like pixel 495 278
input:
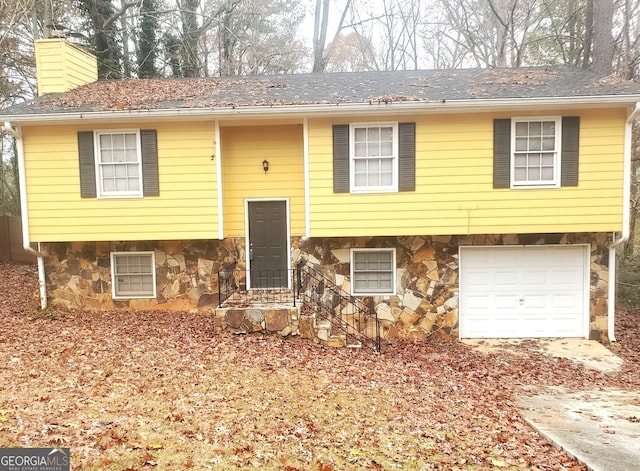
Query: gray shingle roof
pixel 329 88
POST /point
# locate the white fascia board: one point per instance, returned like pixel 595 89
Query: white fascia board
pixel 332 109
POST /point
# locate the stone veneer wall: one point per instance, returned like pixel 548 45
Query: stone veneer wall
pixel 79 273
pixel 426 302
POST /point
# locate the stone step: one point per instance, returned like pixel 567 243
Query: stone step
pixel 323 329
pixel 338 341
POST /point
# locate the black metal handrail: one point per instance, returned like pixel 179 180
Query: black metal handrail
pixel 246 287
pixel 227 283
pixel 346 313
pixel 317 293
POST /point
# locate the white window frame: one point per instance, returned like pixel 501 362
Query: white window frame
pixel 393 188
pixel 114 282
pixel 354 291
pixel 557 158
pixel 101 193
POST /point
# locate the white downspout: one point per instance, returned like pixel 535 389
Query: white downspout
pixel 218 154
pixel 307 197
pixel 26 242
pixel 626 228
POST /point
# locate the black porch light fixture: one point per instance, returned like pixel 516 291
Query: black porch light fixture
pixel 265 165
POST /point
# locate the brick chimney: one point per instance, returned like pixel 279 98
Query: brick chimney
pixel 62 66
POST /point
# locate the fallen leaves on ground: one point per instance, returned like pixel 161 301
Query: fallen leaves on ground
pixel 161 390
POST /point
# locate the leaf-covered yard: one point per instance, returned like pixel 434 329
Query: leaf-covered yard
pixel 162 390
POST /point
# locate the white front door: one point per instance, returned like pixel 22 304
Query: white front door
pixel 524 292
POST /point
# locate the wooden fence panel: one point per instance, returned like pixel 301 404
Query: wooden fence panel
pixel 11 249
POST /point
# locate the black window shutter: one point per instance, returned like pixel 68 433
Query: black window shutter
pixel 569 150
pixel 87 165
pixel 341 158
pixel 501 153
pixel 149 142
pixel 406 156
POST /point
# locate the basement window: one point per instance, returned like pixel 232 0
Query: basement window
pixel 133 275
pixel 373 271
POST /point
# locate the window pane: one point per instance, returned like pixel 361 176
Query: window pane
pixel 121 185
pixel 521 160
pixel 547 159
pixel 373 149
pixel 106 156
pixel 134 184
pixel 520 174
pixel 360 149
pixel 131 155
pixel 374 134
pixel 547 173
pixel 121 171
pixel 118 141
pixel 360 135
pixel 548 143
pixel 133 170
pixel 522 129
pixel 108 185
pixel 522 143
pixel 130 141
pixel 108 171
pixel 105 141
pixel 535 143
pixel 535 128
pixel 533 174
pixel 549 128
pixel 534 160
pixel 386 148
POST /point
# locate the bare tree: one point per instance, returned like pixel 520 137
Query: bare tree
pixel 321 50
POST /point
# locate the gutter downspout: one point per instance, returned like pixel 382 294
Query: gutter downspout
pixel 307 198
pixel 26 242
pixel 626 228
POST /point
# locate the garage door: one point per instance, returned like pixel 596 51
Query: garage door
pixel 518 292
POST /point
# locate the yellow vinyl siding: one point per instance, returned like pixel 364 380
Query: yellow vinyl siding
pixel 61 66
pixel 454 183
pixel 186 208
pixel 243 150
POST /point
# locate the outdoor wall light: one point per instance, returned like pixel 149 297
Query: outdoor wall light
pixel 265 165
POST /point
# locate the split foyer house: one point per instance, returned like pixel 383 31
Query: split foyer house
pixel 476 203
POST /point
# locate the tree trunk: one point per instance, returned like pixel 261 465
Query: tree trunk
pixel 602 38
pixel 588 34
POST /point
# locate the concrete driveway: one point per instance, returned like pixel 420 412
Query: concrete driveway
pixel 600 428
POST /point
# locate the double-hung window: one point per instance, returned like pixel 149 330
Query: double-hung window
pixel 374 157
pixel 133 275
pixel 118 163
pixel 535 151
pixel 373 271
pixel 121 163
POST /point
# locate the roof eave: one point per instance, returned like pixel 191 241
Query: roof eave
pixel 333 109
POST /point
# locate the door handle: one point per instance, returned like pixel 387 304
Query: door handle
pixel 250 252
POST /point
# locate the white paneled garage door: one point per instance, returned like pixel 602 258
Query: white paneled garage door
pixel 518 292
